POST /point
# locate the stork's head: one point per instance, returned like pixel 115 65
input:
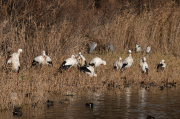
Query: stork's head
pixel 149 47
pixel 129 51
pixel 144 59
pixel 163 61
pixel 120 59
pixel 79 53
pixel 20 50
pixel 72 56
pixel 137 45
pixel 104 62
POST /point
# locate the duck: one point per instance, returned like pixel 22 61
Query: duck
pixel 161 66
pixel 118 64
pixel 18 111
pixel 89 105
pixel 150 117
pixel 49 103
pixel 14 60
pixel 65 101
pixel 127 62
pixel 161 87
pixel 88 70
pixel 68 63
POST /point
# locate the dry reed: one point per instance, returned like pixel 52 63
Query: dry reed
pixel 62 29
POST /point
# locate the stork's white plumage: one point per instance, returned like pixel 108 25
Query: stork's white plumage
pixel 127 62
pixel 161 65
pixel 68 63
pixel 138 48
pixel 141 63
pixel 96 62
pixel 118 64
pixel 144 66
pixel 48 60
pixel 148 49
pixel 14 59
pixel 81 59
pixel 42 59
pixel 89 70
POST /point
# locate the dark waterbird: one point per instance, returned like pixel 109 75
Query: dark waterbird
pixel 18 111
pixel 161 87
pixel 147 88
pixel 65 101
pixel 49 103
pixel 150 117
pixel 89 105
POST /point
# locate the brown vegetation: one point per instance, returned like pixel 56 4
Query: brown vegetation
pixel 63 28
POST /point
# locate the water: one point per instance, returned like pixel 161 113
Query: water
pixel 132 103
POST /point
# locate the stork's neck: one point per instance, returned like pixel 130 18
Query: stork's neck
pixel 18 53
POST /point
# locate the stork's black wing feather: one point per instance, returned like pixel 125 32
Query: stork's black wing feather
pixel 159 65
pixel 91 64
pixel 85 69
pixel 124 65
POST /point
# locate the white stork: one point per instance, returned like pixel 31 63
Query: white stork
pixel 138 48
pixel 144 66
pixel 96 62
pixel 89 70
pixel 141 63
pixel 118 64
pixel 148 49
pixel 81 59
pixel 68 63
pixel 127 62
pixel 42 60
pixel 161 65
pixel 14 60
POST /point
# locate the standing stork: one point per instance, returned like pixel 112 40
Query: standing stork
pixel 93 46
pixel 81 59
pixel 148 49
pixel 127 62
pixel 118 64
pixel 161 66
pixel 110 47
pixel 14 60
pixel 138 48
pixel 89 70
pixel 68 63
pixel 96 62
pixel 144 66
pixel 42 60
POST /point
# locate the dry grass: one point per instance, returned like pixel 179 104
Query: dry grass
pixel 62 29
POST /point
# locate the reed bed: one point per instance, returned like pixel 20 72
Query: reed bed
pixel 54 29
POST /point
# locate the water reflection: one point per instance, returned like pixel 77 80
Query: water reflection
pixel 134 102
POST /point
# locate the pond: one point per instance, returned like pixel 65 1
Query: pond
pixel 133 102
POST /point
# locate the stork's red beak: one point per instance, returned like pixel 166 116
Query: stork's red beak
pixel 10 57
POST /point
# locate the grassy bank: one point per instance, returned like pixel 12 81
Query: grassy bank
pixel 63 29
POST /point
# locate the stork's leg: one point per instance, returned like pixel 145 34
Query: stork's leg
pixel 16 75
pixel 68 70
pixel 143 76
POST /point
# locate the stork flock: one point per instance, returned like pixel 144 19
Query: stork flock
pixel 80 61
